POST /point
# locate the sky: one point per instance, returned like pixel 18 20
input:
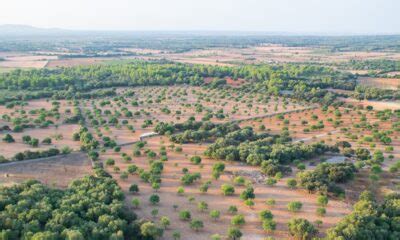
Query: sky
pixel 292 16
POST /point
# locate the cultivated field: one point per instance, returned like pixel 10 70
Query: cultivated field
pixel 125 118
pixel 384 83
pixel 56 171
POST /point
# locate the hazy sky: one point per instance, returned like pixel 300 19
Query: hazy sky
pixel 312 16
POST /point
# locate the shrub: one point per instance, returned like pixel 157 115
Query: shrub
pixel 301 229
pixel 234 233
pixel 238 220
pixel 154 199
pixel 232 209
pixel 215 214
pixel 196 224
pixel 265 215
pixel 291 183
pixel 8 138
pixel 270 202
pixel 269 225
pixel 202 206
pixel 321 211
pixel 184 215
pixel 322 200
pixel 239 181
pixel 227 189
pixel 134 188
pixel 195 160
pixel 294 206
pixel 248 193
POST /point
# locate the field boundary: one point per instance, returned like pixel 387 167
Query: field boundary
pixel 39 159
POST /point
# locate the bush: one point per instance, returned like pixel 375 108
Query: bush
pixel 294 206
pixel 239 181
pixel 110 162
pixel 269 225
pixel 134 188
pixel 238 220
pixel 248 193
pixel 202 206
pixel 154 199
pixel 227 189
pixel 232 209
pixel 195 160
pixel 322 200
pixel 265 215
pixel 234 233
pixel 270 202
pixel 196 224
pixel 321 211
pixel 215 214
pixel 46 141
pixel 8 138
pixel 291 183
pixel 301 229
pixel 184 215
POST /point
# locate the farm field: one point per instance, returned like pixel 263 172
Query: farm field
pixel 274 54
pixel 205 151
pixel 216 201
pixel 385 83
pixel 20 60
pixel 337 125
pixel 58 171
pixel 200 120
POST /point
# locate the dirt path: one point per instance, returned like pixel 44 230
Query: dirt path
pixel 307 139
pixel 272 114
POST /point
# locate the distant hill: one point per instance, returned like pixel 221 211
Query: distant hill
pixel 23 30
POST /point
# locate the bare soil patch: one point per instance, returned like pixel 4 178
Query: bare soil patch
pixel 57 171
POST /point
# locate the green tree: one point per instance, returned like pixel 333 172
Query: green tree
pixel 301 229
pixel 135 202
pixel 234 233
pixel 8 138
pixel 154 199
pixel 195 160
pixel 196 224
pixel 202 206
pixel 294 206
pixel 165 222
pixel 149 229
pixel 291 183
pixel 184 215
pixel 215 214
pixel 227 189
pixel 238 220
pixel 269 225
pixel 322 200
pixel 134 188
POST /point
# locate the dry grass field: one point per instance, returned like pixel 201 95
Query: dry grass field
pixel 384 83
pixel 273 53
pixel 19 60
